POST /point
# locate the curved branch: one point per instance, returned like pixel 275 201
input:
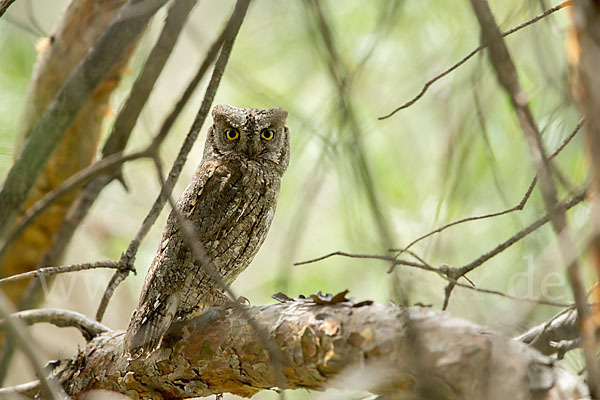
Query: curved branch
pixel 388 350
pixel 61 318
pixel 4 4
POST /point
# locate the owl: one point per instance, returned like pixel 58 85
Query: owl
pixel 230 202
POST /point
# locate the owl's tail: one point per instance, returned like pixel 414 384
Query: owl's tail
pixel 148 324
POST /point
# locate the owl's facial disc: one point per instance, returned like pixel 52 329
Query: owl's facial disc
pixel 250 134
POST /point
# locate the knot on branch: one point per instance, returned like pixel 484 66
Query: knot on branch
pixel 127 263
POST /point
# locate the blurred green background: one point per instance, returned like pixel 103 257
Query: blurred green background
pixel 355 183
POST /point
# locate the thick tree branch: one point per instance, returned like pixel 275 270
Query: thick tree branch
pixel 403 352
pixel 4 4
pixel 69 100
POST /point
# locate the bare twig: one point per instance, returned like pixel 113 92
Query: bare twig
pixel 230 33
pixel 114 282
pixel 452 274
pixel 533 300
pixel 390 259
pixel 517 207
pixel 508 78
pixel 444 271
pixel 28 389
pixel 61 318
pixel 509 242
pixel 18 335
pixel 471 54
pixel 69 100
pixel 47 271
pixel 578 198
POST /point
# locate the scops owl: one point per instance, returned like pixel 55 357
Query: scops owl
pixel 230 202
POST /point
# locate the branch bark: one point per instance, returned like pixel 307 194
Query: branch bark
pixel 4 4
pixel 394 351
pixel 80 25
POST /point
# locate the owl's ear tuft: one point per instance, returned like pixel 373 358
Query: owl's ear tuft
pixel 219 112
pixel 278 113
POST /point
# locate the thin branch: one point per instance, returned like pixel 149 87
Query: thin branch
pixel 28 389
pixel 444 271
pixel 518 207
pixel 519 235
pixel 390 259
pixel 69 100
pixel 18 335
pixel 507 243
pixel 114 282
pixel 229 34
pixel 533 300
pixel 47 271
pixel 509 79
pixel 140 92
pixel 471 54
pixel 61 318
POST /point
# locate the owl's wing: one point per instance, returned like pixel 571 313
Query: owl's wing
pixel 160 295
pixel 150 324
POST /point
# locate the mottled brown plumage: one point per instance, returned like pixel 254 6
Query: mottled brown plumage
pixel 230 202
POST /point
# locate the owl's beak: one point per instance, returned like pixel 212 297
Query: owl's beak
pixel 251 150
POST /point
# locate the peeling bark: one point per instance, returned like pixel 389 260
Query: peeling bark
pixel 389 350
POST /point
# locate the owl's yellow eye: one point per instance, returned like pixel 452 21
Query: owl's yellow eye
pixel 267 134
pixel 232 134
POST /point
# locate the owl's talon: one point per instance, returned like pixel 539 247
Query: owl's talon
pixel 243 301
